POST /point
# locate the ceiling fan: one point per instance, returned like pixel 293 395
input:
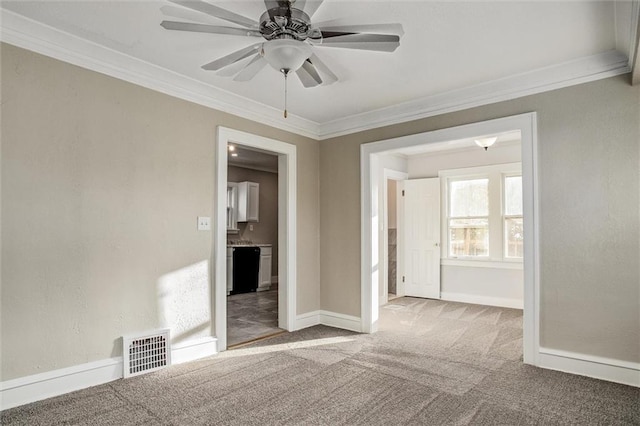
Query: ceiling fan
pixel 288 39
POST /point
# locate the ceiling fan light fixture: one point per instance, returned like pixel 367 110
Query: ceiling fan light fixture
pixel 286 55
pixel 486 142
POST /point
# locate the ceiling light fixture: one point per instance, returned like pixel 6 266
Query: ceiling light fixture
pixel 486 142
pixel 232 148
pixel 288 38
pixel 235 154
pixel 286 55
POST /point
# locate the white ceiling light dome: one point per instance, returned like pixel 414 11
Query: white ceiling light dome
pixel 486 142
pixel 286 55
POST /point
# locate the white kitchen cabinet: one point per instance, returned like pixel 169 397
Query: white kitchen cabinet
pixel 264 280
pixel 248 197
pixel 232 208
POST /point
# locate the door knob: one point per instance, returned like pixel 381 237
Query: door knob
pixel 437 244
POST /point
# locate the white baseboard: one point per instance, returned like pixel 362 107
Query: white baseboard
pixel 57 382
pixel 612 370
pixel 482 300
pixel 331 319
pixel 334 319
pixel 307 320
pixel 194 349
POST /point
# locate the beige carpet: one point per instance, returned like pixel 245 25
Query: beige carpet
pixel 431 363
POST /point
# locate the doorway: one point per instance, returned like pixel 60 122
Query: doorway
pixel 391 287
pixel 252 244
pixel 371 211
pixel 286 269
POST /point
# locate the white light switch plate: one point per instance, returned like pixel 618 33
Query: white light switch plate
pixel 204 223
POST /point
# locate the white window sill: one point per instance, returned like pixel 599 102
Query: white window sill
pixel 473 263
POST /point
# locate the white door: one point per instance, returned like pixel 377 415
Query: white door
pixel 421 263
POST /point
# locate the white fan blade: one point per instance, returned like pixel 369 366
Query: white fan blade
pixel 328 75
pixel 248 72
pixel 218 12
pixel 375 42
pixel 394 29
pixel 211 29
pixel 232 57
pixel 308 68
pixel 187 15
pixel 308 6
pixel 230 71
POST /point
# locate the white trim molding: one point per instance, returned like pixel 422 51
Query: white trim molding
pixel 37 387
pixel 57 382
pixel 193 349
pixel 482 300
pixel 330 319
pixel 287 233
pixel 491 264
pixel 346 322
pixel 613 370
pixel 49 41
pixel 370 181
pixel 307 320
pixel 583 70
pixel 46 40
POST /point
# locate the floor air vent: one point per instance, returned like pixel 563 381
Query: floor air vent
pixel 146 353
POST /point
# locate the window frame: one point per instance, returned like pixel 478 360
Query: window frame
pixel 497 238
pixel 449 218
pixel 506 216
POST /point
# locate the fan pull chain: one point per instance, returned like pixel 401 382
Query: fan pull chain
pixel 285 94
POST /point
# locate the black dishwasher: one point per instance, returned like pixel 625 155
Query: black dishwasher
pixel 246 266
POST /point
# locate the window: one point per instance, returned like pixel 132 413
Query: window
pixel 483 211
pixel 513 233
pixel 469 217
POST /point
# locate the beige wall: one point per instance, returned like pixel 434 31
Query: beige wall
pixel 266 230
pixel 102 182
pixel 589 137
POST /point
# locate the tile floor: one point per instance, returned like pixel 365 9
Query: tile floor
pixel 252 315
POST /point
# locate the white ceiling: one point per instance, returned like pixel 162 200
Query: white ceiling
pixel 452 55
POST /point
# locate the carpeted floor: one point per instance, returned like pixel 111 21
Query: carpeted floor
pixel 431 363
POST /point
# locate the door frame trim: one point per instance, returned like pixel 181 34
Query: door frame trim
pixel 369 192
pixel 287 238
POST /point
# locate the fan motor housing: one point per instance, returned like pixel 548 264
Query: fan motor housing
pixel 284 22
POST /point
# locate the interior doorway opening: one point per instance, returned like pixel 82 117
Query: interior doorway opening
pixel 391 286
pixel 286 219
pixel 252 244
pixel 373 184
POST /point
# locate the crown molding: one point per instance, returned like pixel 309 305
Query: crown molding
pixel 37 37
pixel 46 40
pixel 583 70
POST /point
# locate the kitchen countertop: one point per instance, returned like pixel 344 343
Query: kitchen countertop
pixel 249 245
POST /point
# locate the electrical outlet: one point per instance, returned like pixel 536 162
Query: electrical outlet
pixel 204 223
pixel 250 227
